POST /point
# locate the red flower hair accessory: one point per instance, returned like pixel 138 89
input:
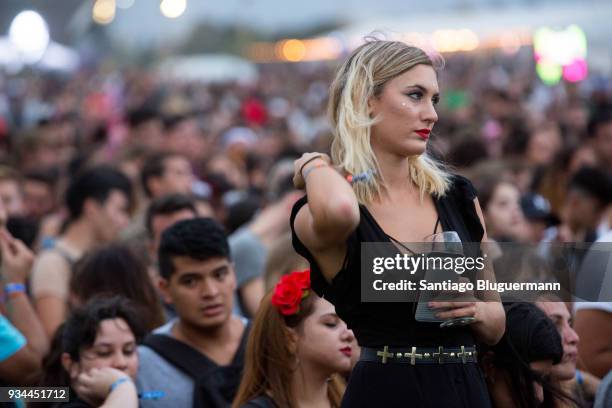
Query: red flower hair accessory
pixel 290 291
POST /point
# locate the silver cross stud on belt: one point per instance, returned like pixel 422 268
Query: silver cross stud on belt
pixel 413 356
pixel 384 354
pixel 440 354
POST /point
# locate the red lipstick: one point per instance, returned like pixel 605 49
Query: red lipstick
pixel 346 351
pixel 424 133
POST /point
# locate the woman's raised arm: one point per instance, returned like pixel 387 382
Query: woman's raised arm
pixel 332 212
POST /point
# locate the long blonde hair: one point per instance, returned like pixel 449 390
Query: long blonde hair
pixel 361 77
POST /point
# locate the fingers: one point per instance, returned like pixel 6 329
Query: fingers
pixel 10 240
pixel 4 245
pixel 5 235
pixel 22 248
pixel 298 181
pixel 80 388
pixel 469 311
pixel 7 242
pixel 452 305
pixel 13 246
pixel 85 381
pixel 451 310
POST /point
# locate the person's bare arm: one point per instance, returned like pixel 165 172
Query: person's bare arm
pixel 22 368
pixel 16 265
pixel 49 286
pixel 251 294
pixel 489 312
pixel 271 221
pixel 332 212
pixel 267 227
pixel 595 349
pixel 52 312
pixel 492 326
pixel 21 313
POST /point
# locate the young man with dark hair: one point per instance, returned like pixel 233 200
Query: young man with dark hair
pixel 166 173
pixel 196 359
pixel 600 132
pixel 162 213
pixel 146 127
pixel 183 135
pixel 39 192
pixel 98 202
pixel 589 193
pixel 162 174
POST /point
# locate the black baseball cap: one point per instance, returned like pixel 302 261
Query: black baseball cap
pixel 537 208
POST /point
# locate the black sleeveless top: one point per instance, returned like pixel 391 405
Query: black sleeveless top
pixel 378 324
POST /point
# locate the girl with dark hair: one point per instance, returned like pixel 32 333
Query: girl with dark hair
pixel 500 200
pixel 296 350
pixel 517 369
pixel 94 353
pixel 116 270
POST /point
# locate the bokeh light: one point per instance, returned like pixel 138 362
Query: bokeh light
pixel 576 71
pixel 293 50
pixel 173 8
pixel 510 42
pixel 454 40
pixel 549 72
pixel 103 11
pixel 30 35
pixel 560 54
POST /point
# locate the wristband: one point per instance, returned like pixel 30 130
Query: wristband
pixel 118 383
pixel 151 395
pixel 313 167
pixel 579 378
pixel 12 288
pixel 365 176
pixel 308 161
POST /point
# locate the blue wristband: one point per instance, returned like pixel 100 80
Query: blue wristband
pixel 118 383
pixel 579 377
pixel 14 288
pixel 151 395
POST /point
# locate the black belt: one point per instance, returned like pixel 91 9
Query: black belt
pixel 419 355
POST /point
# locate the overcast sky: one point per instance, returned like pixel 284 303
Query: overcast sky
pixel 143 21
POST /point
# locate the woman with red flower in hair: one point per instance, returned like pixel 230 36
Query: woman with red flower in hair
pixel 296 350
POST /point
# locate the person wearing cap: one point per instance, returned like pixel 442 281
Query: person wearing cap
pixel 538 215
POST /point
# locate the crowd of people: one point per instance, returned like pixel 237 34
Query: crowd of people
pixel 153 253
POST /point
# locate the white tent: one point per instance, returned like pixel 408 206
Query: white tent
pixel 57 57
pixel 209 68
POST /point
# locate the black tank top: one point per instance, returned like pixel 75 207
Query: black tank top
pixel 392 324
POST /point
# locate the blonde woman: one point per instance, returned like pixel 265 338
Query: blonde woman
pixel 382 108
